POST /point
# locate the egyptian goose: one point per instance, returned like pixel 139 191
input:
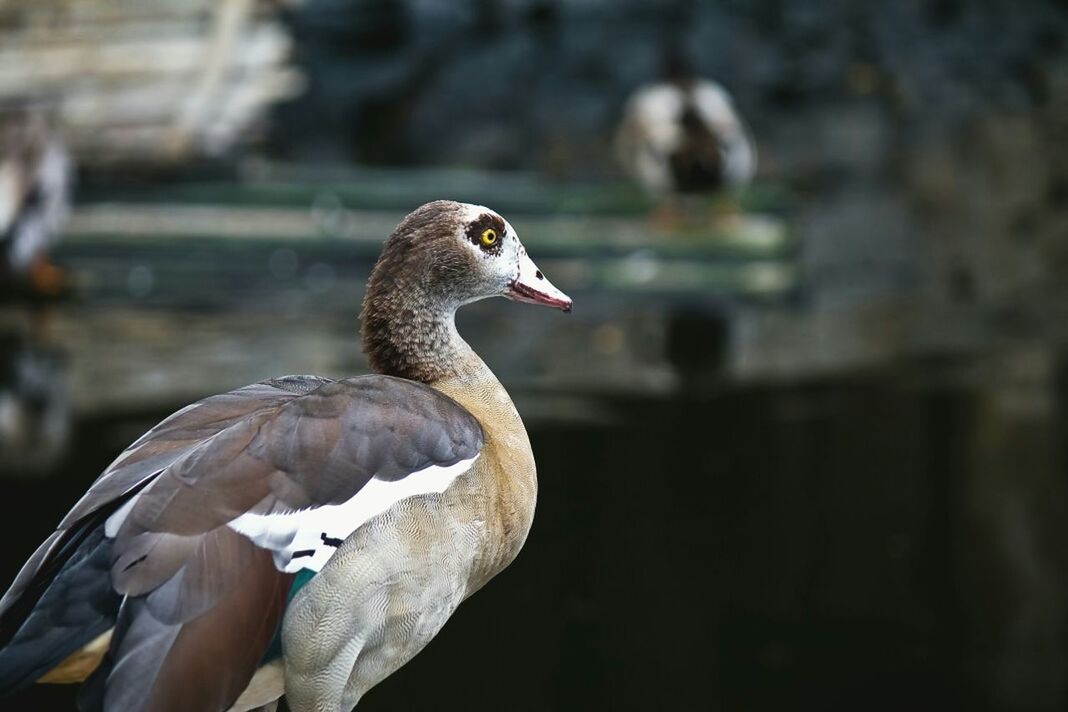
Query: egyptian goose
pixel 299 536
pixel 683 135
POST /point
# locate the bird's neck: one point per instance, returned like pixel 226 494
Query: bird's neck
pixel 501 491
pixel 403 336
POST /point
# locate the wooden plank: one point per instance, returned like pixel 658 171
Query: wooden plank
pixel 124 91
pixel 155 101
pixel 587 236
pixel 277 185
pixel 34 69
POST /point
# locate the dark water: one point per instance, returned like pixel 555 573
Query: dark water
pixel 841 543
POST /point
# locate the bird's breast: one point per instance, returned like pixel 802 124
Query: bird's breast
pixel 500 491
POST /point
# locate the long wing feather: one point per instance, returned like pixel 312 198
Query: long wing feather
pixel 202 664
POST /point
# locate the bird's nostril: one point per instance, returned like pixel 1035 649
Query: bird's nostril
pixel 538 274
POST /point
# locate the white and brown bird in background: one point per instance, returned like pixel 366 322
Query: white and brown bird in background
pixel 301 536
pixel 35 194
pixel 682 135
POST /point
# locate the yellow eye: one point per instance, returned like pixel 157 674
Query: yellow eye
pixel 489 237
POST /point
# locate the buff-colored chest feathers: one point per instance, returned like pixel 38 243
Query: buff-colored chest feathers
pixel 504 477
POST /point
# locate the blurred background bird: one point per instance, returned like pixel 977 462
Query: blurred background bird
pixel 682 136
pixel 35 186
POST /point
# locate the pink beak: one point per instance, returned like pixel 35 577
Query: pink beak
pixel 531 286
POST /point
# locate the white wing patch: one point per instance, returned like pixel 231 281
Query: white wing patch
pixel 111 526
pixel 307 538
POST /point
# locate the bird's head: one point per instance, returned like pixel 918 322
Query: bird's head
pixel 458 253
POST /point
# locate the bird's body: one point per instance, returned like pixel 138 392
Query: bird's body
pixel 301 536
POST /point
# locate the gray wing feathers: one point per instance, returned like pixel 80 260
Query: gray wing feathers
pixel 290 443
pixel 77 606
pixel 178 434
pixel 202 664
pixel 26 573
pixel 319 448
pixel 216 564
pixel 305 451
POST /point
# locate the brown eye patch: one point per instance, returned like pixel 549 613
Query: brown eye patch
pixel 476 231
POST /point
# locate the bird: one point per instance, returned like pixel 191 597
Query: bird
pixel 35 190
pixel 683 135
pixel 300 536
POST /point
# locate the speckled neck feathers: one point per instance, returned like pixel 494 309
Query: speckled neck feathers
pixel 409 310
